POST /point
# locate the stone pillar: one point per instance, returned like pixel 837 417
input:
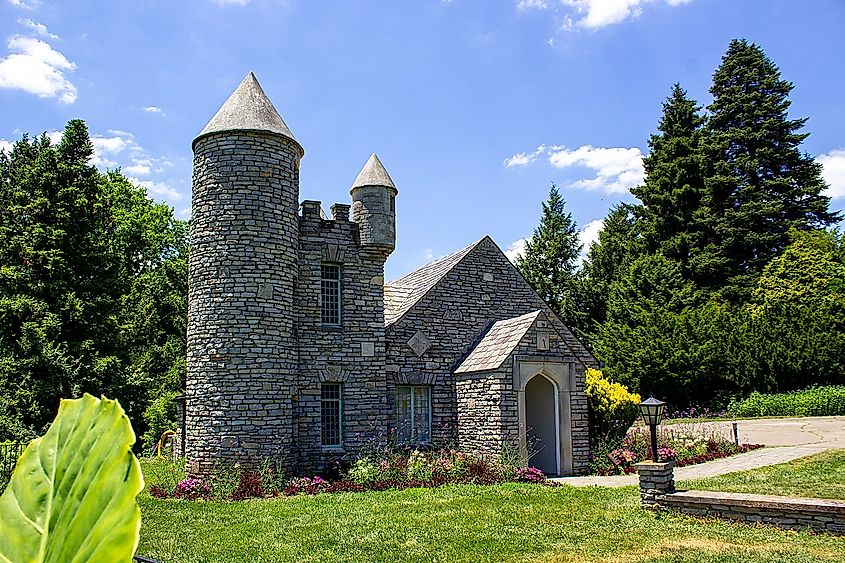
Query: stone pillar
pixel 656 480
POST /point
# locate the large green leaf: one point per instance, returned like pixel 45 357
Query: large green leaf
pixel 72 495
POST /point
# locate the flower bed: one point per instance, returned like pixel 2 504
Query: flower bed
pixel 400 470
pixel 685 446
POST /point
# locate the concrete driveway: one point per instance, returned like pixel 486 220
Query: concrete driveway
pixel 785 439
pixel 784 431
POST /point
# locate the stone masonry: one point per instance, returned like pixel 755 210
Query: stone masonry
pixel 241 353
pixel 480 409
pixel 656 480
pixel 657 491
pixel 467 329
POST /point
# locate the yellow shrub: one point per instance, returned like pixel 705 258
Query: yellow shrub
pixel 611 404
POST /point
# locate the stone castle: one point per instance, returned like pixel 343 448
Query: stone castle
pixel 299 351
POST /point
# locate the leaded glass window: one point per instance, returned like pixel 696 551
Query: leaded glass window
pixel 413 414
pixel 330 298
pixel 331 414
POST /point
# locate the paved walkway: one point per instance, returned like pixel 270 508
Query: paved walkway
pixel 789 438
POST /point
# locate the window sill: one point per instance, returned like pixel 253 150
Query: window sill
pixel 333 449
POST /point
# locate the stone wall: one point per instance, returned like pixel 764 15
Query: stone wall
pixel 482 412
pixel 242 354
pixel 352 354
pixel 792 513
pixel 483 287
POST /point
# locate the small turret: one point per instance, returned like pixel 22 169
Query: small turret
pixel 374 206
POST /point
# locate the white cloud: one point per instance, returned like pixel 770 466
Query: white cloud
pixel 121 149
pixel 231 2
pixel 120 133
pixel 35 67
pixel 521 158
pixel 153 109
pixel 5 146
pixel 834 172
pixel 54 136
pixel 594 14
pixel 161 189
pixel 532 4
pixel 109 145
pixel 139 168
pixel 38 28
pixel 617 169
pixel 25 4
pixel 589 235
pixel 516 249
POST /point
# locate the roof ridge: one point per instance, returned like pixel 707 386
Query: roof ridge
pixel 398 281
pixel 408 290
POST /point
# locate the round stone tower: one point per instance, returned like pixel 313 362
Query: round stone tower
pixel 242 356
pixel 374 206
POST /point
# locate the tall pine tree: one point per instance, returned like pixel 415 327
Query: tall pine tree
pixel 759 184
pixel 608 258
pixel 672 191
pixel 549 262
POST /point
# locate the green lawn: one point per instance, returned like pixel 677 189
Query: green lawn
pixel 820 476
pixel 462 523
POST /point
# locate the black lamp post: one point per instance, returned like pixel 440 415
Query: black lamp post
pixel 652 410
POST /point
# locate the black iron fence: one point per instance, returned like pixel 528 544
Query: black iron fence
pixel 9 454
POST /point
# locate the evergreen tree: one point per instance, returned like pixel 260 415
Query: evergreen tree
pixel 759 184
pixel 92 285
pixel 672 191
pixel 792 334
pixel 550 259
pixel 617 246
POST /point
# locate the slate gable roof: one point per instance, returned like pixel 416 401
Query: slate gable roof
pixel 499 343
pixel 402 294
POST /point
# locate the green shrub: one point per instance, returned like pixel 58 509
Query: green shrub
pixel 816 401
pixel 365 471
pixel 420 467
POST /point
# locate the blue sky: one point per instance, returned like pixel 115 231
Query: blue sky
pixel 473 106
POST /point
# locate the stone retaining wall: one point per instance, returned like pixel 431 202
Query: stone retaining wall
pixel 821 515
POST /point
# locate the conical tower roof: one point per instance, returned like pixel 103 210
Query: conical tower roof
pixel 248 109
pixel 373 174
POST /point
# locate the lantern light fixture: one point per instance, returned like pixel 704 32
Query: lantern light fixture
pixel 652 411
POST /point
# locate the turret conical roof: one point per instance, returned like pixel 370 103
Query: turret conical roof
pixel 373 174
pixel 248 109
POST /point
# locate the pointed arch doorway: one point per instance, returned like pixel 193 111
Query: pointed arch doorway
pixel 544 393
pixel 542 427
